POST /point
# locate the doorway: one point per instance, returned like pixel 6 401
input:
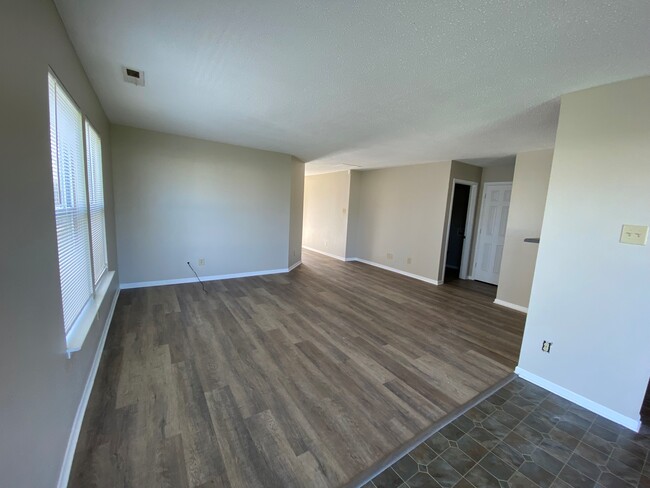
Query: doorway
pixel 459 230
pixel 492 231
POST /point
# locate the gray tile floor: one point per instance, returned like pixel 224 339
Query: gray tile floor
pixel 524 436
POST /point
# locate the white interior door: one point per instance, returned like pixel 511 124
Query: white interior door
pixel 492 231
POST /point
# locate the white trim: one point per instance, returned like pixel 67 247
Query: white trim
pixel 469 231
pixel 584 402
pixel 481 219
pixel 76 336
pixel 340 258
pixel 64 474
pixel 294 266
pixel 398 271
pixel 469 227
pixel 365 476
pixel 513 306
pixel 180 281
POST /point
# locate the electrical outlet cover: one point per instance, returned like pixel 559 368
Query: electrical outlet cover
pixel 634 234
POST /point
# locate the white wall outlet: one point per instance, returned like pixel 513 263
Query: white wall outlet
pixel 634 234
pixel 408 260
pixel 546 346
pixel 201 261
pixel 389 255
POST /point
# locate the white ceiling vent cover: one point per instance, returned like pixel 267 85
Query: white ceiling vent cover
pixel 134 76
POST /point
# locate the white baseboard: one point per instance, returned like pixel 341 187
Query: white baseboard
pixel 378 265
pixel 294 266
pixel 398 271
pixel 180 281
pixel 584 402
pixel 64 474
pixel 340 258
pixel 513 306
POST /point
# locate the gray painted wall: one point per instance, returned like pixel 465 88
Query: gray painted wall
pixel 503 172
pixel 402 212
pixel 325 226
pixel 351 250
pixel 590 292
pixel 394 211
pixel 297 202
pixel 529 188
pixel 180 199
pixel 41 388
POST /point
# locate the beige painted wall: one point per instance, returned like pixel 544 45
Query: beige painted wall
pixel 529 188
pixel 590 292
pixel 180 199
pixel 464 171
pixel 41 388
pixel 354 210
pixel 296 216
pixel 499 173
pixel 402 212
pixel 491 174
pixel 325 221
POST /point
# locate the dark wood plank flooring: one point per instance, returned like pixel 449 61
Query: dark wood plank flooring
pixel 486 289
pixel 303 379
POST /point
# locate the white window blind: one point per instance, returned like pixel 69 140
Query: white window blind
pixel 71 209
pixel 96 202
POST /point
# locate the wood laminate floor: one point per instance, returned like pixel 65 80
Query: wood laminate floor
pixel 297 380
pixel 486 289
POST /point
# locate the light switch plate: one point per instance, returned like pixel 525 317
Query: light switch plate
pixel 634 234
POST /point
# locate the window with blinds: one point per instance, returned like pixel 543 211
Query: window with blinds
pixel 96 202
pixel 78 202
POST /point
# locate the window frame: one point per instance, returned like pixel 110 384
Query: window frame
pixel 88 129
pixel 77 330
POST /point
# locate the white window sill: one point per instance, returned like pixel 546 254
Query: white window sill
pixel 77 334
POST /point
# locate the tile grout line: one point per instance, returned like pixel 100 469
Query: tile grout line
pixel 516 469
pixel 580 441
pixel 549 414
pixel 491 451
pixel 564 464
pixel 512 430
pixel 476 463
pixel 437 426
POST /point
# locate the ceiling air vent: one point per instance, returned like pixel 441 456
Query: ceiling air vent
pixel 133 76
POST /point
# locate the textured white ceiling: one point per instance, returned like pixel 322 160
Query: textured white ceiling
pixel 368 82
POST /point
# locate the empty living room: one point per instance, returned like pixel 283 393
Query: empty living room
pixel 295 244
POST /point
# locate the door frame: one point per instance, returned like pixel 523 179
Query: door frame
pixel 469 227
pixel 481 217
